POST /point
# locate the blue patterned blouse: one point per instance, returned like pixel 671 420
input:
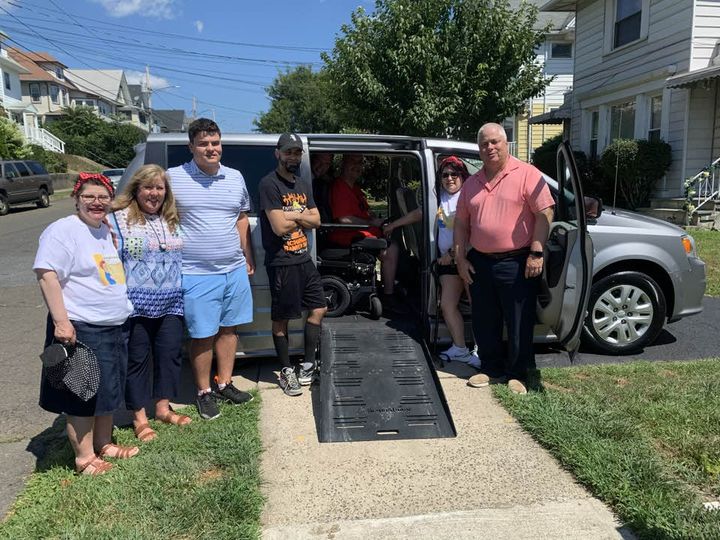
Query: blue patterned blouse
pixel 152 257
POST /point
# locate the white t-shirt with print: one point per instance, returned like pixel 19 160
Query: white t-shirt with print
pixel 446 220
pixel 90 272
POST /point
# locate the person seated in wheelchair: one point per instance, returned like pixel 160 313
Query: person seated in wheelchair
pixel 349 205
pixel 451 174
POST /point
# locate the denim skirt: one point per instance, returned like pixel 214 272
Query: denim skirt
pixel 109 343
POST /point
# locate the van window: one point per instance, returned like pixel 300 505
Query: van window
pixel 254 162
pixel 22 169
pixel 35 167
pixel 10 171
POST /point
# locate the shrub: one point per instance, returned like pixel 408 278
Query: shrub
pixel 545 155
pixel 12 142
pixel 639 164
pixel 52 161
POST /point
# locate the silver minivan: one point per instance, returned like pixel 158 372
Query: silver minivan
pixel 636 261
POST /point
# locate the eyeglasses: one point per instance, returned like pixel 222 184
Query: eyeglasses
pixel 449 174
pixel 87 198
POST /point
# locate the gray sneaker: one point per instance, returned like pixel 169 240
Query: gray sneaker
pixel 206 406
pixel 289 383
pixel 305 372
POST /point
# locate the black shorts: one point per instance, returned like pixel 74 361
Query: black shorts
pixel 447 270
pixel 294 288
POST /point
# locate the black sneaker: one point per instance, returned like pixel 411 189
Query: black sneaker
pixel 230 394
pixel 305 372
pixel 289 383
pixel 206 406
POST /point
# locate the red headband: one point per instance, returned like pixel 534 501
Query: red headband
pixel 456 163
pixel 83 179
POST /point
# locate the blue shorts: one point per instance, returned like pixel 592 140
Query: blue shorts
pixel 216 300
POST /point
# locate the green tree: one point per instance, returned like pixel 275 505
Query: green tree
pixel 300 102
pixel 435 67
pixel 12 142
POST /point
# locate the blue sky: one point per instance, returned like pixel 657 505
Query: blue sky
pixel 222 52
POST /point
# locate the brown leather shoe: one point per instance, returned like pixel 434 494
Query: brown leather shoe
pixel 516 387
pixel 482 380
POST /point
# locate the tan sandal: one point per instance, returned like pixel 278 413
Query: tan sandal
pixel 144 432
pixel 120 452
pixel 174 418
pixel 93 467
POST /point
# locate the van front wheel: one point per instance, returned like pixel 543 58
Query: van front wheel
pixel 43 198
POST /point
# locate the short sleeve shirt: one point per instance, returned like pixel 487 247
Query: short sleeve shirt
pixel 276 193
pixel 501 212
pixel 349 201
pixel 91 275
pixel 209 207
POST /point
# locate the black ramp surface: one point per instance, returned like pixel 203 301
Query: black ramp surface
pixel 377 382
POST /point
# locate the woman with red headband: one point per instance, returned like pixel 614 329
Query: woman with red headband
pixel 83 284
pixel 450 176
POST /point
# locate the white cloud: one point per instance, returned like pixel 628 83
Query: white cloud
pixel 8 5
pixel 161 9
pixel 200 26
pixel 137 77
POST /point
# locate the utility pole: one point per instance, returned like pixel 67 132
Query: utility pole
pixel 193 114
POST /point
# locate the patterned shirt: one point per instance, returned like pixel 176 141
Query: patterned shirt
pixel 152 258
pixel 209 208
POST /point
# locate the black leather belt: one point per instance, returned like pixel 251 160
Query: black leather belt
pixel 507 254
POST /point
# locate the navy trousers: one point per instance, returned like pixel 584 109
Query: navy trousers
pixel 503 296
pixel 158 339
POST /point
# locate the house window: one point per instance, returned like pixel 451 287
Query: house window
pixel 594 123
pixel 6 78
pixel 628 17
pixel 54 93
pixel 561 50
pixel 34 92
pixel 622 121
pixel 655 114
pixel 59 72
pixel 85 102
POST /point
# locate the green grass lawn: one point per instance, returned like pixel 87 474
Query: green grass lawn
pixel 197 481
pixel 708 247
pixel 643 437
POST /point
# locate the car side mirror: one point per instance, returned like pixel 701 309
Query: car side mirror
pixel 593 207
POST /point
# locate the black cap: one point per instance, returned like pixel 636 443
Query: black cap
pixel 288 141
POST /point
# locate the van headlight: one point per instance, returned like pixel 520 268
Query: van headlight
pixel 688 243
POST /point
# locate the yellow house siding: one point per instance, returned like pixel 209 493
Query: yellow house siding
pixel 538 133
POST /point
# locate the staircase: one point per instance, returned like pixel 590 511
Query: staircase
pixel 667 209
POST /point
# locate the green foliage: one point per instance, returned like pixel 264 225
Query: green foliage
pixel 644 437
pixel 435 67
pixel 545 156
pixel 300 102
pixel 12 142
pixel 52 161
pixel 86 134
pixel 639 164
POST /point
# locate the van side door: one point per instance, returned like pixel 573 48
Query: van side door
pixel 13 183
pixel 567 272
pixel 25 181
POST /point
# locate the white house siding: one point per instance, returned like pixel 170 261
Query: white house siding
pixel 700 123
pixel 678 103
pixel 635 72
pixel 706 33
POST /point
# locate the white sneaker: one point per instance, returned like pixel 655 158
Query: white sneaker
pixel 456 354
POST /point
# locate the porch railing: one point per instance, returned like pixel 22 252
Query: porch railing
pixel 512 148
pixel 44 138
pixel 705 184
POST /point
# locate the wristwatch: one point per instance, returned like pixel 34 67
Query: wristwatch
pixel 537 254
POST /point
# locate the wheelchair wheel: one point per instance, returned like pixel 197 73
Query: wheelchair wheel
pixel 337 296
pixel 376 307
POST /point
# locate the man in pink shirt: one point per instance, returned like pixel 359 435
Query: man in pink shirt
pixel 503 217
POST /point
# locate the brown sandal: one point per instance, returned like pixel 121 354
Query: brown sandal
pixel 144 432
pixel 94 466
pixel 116 451
pixel 174 418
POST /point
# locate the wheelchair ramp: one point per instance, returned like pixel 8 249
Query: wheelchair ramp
pixel 377 382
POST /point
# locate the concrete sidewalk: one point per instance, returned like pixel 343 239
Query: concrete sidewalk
pixel 491 481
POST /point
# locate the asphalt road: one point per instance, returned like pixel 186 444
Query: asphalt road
pixel 22 320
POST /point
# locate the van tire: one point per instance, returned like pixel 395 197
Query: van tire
pixel 4 206
pixel 337 296
pixel 644 293
pixel 43 198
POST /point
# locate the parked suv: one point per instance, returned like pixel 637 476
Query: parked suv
pixel 24 181
pixel 624 279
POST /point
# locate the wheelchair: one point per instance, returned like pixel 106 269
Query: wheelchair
pixel 348 273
